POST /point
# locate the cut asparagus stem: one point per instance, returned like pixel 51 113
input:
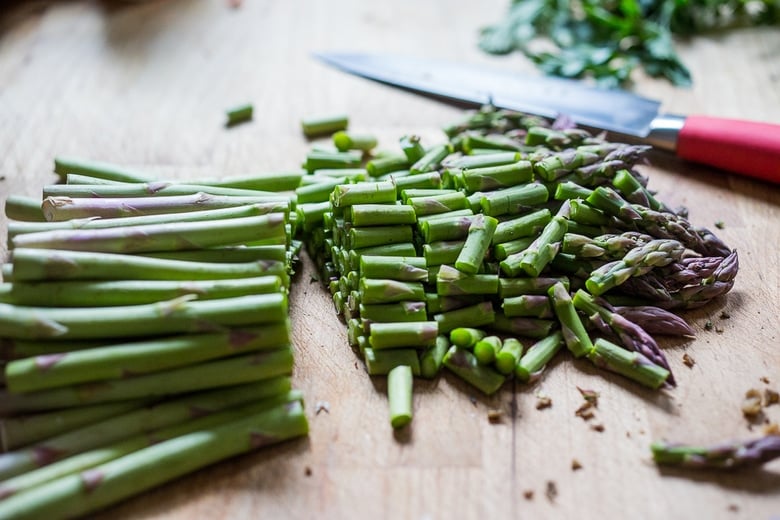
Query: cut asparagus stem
pixel 161 237
pixel 525 327
pixel 381 215
pixel 436 204
pixel 477 244
pixel 172 316
pixel 486 349
pixel 16 432
pixel 407 269
pixel 410 144
pixel 107 483
pixel 359 238
pixel 509 356
pixel 538 355
pixel 465 365
pixel 442 252
pixel 574 333
pixel 497 177
pixel 134 421
pixel 534 259
pixel 318 126
pixel 466 337
pixel 18 228
pixel 25 209
pixel 151 189
pixel 394 312
pixel 112 451
pixel 452 282
pixel 57 209
pixel 529 306
pixel 406 334
pixel 505 249
pixel 44 264
pixel 363 193
pixel 350 141
pixel 727 455
pixel 100 170
pixel 131 292
pixel 474 316
pixel 431 358
pixel 421 181
pixel 630 364
pixel 453 228
pixel 399 395
pixel 318 192
pixel 513 200
pixel 390 291
pixel 390 164
pixel 432 159
pixel 524 226
pixel 381 362
pixel 571 190
pixel 481 161
pixel 139 357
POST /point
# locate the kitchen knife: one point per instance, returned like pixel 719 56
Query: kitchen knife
pixel 745 147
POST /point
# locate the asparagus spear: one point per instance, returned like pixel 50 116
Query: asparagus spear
pixel 466 337
pixel 465 365
pixel 137 420
pixel 150 189
pixel 538 355
pixel 509 356
pixel 612 246
pixel 477 244
pixel 16 432
pixel 728 455
pixel 399 395
pixel 574 334
pixel 382 362
pixel 542 250
pixel 405 334
pixel 248 210
pixel 65 208
pixel 350 141
pixel 139 357
pixel 486 349
pixel 432 358
pixel 316 126
pixel 630 364
pixel 26 209
pixel 31 265
pixel 100 170
pixel 102 485
pixel 161 237
pixel 213 374
pixel 631 335
pixel 638 261
pixel 178 315
pixel 93 457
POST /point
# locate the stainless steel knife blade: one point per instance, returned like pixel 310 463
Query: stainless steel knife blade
pixel 746 147
pixel 612 110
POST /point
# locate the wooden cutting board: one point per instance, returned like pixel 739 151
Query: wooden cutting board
pixel 146 85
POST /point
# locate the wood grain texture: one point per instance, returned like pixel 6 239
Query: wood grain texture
pixel 147 84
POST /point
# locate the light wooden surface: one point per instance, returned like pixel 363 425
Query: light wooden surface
pixel 147 85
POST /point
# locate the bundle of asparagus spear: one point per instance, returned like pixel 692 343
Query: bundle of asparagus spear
pixel 145 334
pixel 516 232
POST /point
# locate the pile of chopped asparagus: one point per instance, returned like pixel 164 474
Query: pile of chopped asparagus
pixel 489 252
pixel 145 334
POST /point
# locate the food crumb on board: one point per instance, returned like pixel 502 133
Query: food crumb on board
pixel 590 396
pixel 494 416
pixel 543 401
pixel 528 494
pixel 764 380
pixel 322 406
pixel 585 411
pixel 720 224
pixel 733 508
pixel 688 361
pixel 307 471
pixel 751 405
pixel 725 315
pixel 771 429
pixel 771 397
pixel 600 428
pixel 708 325
pixel 551 491
pixel 575 465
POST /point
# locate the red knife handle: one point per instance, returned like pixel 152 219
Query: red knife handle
pixel 745 147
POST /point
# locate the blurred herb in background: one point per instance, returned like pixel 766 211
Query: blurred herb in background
pixel 607 40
